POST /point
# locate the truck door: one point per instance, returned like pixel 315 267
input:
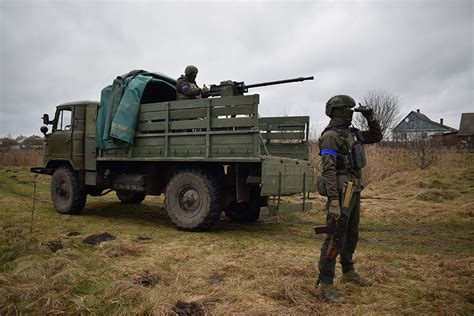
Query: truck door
pixel 60 141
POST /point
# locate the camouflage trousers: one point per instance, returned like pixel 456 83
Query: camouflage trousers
pixel 326 266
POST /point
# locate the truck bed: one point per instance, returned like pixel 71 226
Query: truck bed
pixel 214 129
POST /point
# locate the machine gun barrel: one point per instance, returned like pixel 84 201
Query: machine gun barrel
pixel 232 88
pixel 271 83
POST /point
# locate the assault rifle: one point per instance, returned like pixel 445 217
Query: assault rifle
pixel 231 88
pixel 339 231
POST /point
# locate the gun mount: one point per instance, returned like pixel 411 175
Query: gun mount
pixel 230 88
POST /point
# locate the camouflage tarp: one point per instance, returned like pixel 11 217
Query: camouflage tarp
pixel 120 104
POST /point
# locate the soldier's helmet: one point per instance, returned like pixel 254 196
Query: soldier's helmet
pixel 339 101
pixel 190 69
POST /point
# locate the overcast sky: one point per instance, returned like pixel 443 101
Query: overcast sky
pixel 59 51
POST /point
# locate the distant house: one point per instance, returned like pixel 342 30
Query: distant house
pixel 466 130
pixel 417 125
pixel 20 139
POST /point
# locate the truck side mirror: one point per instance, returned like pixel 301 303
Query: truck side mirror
pixel 46 120
pixel 44 130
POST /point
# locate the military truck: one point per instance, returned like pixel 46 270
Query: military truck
pixel 206 155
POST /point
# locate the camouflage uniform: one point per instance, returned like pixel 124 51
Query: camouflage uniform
pixel 339 166
pixel 186 87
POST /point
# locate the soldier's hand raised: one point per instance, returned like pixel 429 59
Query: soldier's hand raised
pixel 366 111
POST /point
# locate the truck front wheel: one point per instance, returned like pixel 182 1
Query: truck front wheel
pixel 66 192
pixel 130 197
pixel 192 201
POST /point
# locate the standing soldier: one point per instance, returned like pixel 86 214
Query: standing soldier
pixel 343 158
pixel 186 87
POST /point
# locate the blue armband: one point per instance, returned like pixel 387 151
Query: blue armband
pixel 184 88
pixel 328 152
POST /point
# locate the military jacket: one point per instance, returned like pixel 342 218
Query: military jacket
pixel 186 89
pixel 337 153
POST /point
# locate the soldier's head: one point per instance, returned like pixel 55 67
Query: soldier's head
pixel 340 106
pixel 191 72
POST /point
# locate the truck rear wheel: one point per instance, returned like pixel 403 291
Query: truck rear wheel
pixel 192 201
pixel 130 197
pixel 66 192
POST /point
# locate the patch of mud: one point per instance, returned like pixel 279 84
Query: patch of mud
pixel 146 281
pixel 142 238
pixel 98 238
pixel 184 309
pixel 216 278
pixel 55 245
pixel 421 185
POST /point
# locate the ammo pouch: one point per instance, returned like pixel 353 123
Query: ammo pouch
pixel 358 156
pixel 321 185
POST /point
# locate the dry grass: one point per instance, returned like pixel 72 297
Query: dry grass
pixel 21 157
pixel 415 245
pixel 383 162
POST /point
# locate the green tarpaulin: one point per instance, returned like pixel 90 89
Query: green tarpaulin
pixel 120 105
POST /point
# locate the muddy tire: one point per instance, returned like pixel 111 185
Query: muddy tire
pixel 130 197
pixel 66 193
pixel 192 201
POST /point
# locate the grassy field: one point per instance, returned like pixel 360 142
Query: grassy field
pixel 416 245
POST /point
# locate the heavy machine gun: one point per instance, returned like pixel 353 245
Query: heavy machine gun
pixel 231 88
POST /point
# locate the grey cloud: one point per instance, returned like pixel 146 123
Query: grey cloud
pixel 53 52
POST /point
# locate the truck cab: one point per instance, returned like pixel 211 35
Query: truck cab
pixel 65 143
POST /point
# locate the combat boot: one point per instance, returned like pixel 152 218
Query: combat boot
pixel 329 294
pixel 355 278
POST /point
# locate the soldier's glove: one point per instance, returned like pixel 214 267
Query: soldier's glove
pixel 369 115
pixel 334 208
pixel 366 111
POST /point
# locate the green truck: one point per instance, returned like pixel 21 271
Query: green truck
pixel 207 155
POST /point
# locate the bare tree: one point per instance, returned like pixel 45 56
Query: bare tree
pixel 315 131
pixel 386 107
pixel 426 151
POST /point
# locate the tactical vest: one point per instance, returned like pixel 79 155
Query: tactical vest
pixel 182 96
pixel 350 158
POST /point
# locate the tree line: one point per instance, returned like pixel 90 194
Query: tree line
pixel 27 141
